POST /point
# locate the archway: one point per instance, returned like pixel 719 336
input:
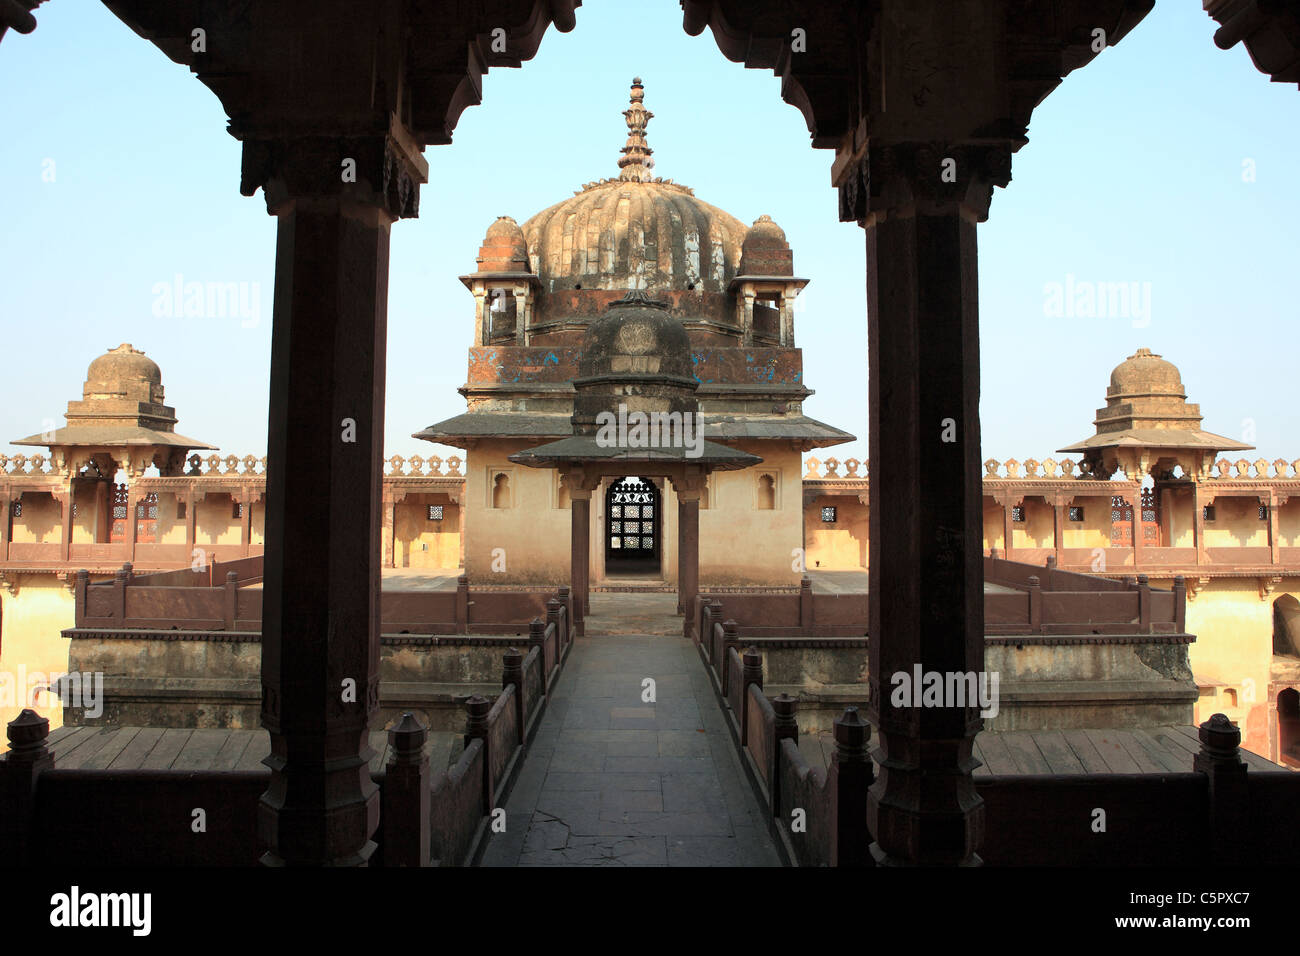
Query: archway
pixel 1286 626
pixel 1288 727
pixel 633 527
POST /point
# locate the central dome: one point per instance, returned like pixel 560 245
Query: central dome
pixel 634 231
pixel 616 234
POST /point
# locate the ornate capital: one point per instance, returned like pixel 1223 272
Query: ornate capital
pixel 379 169
pixel 926 178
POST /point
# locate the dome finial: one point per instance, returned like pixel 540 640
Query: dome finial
pixel 635 163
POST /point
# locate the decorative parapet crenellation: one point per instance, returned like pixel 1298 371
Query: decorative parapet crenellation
pixel 1261 469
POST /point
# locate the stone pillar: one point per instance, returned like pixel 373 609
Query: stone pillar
pixel 191 523
pixel 1058 527
pixel 688 556
pixel 245 523
pixel 1274 546
pixel 1135 502
pixel 747 316
pixel 1008 528
pixel 389 531
pixel 6 524
pixel 133 500
pixel 480 315
pixel 320 618
pixel 64 498
pixel 927 599
pixel 1198 522
pixel 521 330
pixel 579 542
pixel 103 512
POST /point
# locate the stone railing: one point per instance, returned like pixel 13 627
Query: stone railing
pixel 197 465
pixel 419 467
pixel 1216 812
pixel 142 817
pixel 1050 468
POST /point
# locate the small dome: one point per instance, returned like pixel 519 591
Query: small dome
pixel 1145 373
pixel 765 228
pixel 503 249
pixel 637 356
pixel 122 365
pixel 765 251
pixel 637 336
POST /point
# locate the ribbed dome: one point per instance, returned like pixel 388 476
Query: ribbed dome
pixel 618 234
pixel 1145 373
pixel 634 231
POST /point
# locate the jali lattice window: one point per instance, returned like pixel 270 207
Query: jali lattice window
pixel 435 512
pixel 828 514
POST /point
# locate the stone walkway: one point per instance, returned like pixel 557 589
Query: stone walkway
pixel 614 781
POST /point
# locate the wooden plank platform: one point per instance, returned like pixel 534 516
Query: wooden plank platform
pixel 1072 752
pixel 158 748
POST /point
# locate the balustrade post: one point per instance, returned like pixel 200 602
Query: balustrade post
pixel 406 795
pixel 751 673
pixel 1180 604
pixel 785 727
pixel 1035 605
pixel 513 675
pixel 476 728
pixel 805 603
pixel 20 768
pixel 79 598
pixel 553 618
pixel 462 605
pixel 1229 804
pixel 847 781
pixel 1144 604
pixel 230 603
pixel 121 579
pixel 537 639
pixel 730 639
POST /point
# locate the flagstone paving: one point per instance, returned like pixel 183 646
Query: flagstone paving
pixel 615 780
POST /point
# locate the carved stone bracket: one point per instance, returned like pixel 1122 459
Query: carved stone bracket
pixel 1267 584
pixel 924 177
pixel 388 173
pixel 1194 586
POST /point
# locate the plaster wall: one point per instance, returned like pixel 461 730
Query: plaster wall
pixel 41 522
pixel 741 544
pixel 214 521
pixel 421 543
pixel 838 546
pixel 532 531
pixel 30 624
pixel 1236 524
pixel 1234 650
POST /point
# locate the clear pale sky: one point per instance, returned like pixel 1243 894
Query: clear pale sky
pixel 1133 174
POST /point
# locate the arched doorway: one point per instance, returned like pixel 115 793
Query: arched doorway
pixel 1288 727
pixel 632 527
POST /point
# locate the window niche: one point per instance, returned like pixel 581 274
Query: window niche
pixel 501 488
pixel 766 492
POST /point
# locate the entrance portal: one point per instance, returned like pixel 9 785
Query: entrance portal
pixel 632 527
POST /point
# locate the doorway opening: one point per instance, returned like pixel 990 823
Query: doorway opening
pixel 632 528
